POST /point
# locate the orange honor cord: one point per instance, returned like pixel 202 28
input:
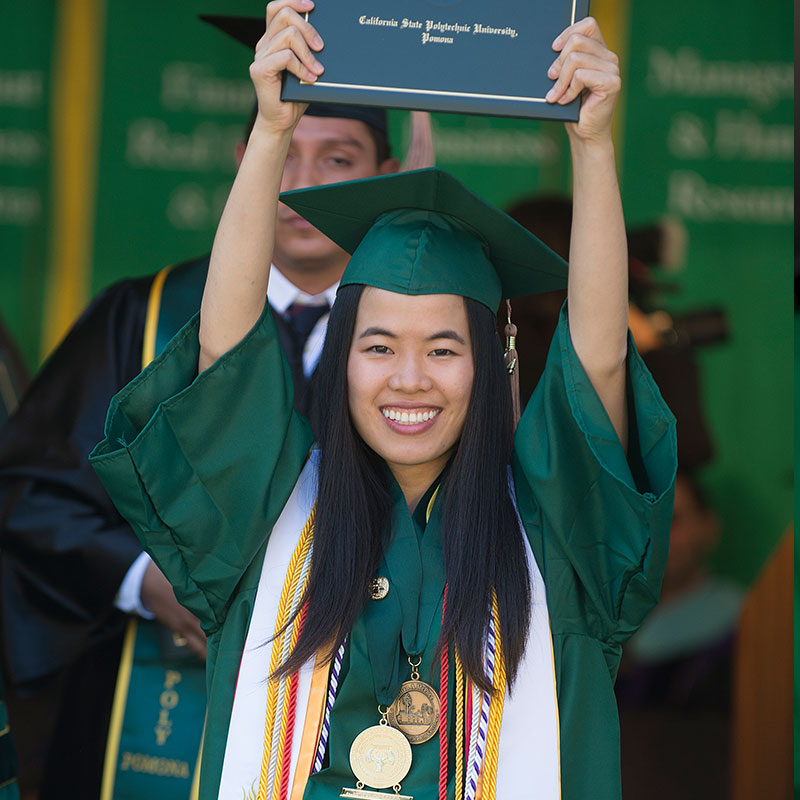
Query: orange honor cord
pixel 312 727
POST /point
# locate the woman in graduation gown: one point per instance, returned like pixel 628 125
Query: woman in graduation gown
pixel 422 563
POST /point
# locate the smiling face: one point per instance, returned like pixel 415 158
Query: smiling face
pixel 409 377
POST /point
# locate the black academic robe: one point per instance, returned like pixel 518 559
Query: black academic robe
pixel 64 548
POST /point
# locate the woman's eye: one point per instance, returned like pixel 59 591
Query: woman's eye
pixel 378 348
pixel 441 351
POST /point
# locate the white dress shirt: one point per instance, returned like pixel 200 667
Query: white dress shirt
pixel 281 294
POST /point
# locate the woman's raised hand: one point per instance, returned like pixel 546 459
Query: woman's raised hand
pixel 289 43
pixel 585 66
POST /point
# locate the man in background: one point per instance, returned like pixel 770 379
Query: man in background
pixel 72 573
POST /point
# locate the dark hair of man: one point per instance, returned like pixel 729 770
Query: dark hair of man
pixel 481 539
pixel 383 149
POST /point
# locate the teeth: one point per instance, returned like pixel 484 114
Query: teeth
pixel 408 417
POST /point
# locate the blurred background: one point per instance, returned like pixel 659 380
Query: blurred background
pixel 118 122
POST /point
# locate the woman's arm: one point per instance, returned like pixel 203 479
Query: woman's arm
pixel 598 262
pixel 236 287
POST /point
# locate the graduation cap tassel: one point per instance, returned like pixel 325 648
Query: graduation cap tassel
pixel 512 363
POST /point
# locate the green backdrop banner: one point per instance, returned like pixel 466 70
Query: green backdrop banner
pixel 26 44
pixel 709 140
pixel 706 138
pixel 176 101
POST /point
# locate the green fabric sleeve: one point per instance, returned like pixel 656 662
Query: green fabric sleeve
pixel 201 466
pixel 598 521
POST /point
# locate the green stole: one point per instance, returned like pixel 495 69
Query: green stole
pixel 156 729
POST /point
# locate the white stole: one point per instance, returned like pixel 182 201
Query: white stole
pixel 529 760
pixel 245 745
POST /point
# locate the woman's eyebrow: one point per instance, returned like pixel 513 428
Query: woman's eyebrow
pixel 374 331
pixel 447 335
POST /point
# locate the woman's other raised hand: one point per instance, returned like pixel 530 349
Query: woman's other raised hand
pixel 585 66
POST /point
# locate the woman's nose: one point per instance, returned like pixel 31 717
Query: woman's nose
pixel 410 376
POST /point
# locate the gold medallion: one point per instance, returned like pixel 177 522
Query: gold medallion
pixel 378 588
pixel 415 711
pixel 380 757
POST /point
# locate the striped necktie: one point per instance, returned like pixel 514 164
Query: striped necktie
pixel 302 318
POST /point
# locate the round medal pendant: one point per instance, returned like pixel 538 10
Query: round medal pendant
pixel 415 711
pixel 380 757
pixel 378 588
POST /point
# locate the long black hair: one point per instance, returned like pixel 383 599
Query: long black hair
pixel 481 541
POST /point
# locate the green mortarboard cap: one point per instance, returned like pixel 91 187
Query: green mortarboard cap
pixel 423 232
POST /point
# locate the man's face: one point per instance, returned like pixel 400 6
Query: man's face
pixel 323 150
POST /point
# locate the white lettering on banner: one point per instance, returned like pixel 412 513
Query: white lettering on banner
pixel 19 205
pixel 494 146
pixel 685 73
pixel 195 87
pixel 743 136
pixel 21 88
pixel 193 207
pixel 696 200
pixel 21 148
pixel 733 136
pixel 688 137
pixel 150 144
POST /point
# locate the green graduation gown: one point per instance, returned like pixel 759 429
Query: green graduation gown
pixel 202 467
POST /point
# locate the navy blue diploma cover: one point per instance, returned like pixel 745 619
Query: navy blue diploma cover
pixel 462 56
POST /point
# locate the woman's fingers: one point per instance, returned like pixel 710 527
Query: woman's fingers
pixel 583 70
pixel 289 43
pixel 577 44
pixel 288 14
pixel 586 27
pixel 594 80
pixel 288 31
pixel 585 65
pixel 287 49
